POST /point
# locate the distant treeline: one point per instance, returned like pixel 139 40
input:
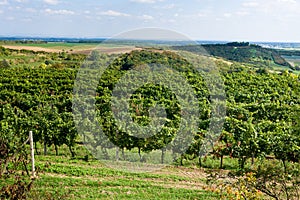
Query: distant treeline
pixel 289 52
pixel 87 41
pixel 241 52
pixel 15 40
pixel 45 42
pixel 23 42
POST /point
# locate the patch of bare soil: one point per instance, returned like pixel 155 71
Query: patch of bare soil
pixel 106 50
pixel 183 172
pixel 30 48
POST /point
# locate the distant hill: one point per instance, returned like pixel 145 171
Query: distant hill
pixel 241 52
pixel 285 52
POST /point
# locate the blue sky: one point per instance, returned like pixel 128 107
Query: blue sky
pixel 231 20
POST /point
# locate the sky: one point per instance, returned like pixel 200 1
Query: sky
pixel 221 20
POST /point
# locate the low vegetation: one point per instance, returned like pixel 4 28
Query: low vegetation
pixel 244 52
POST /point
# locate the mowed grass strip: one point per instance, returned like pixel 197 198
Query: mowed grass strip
pixel 65 178
pixel 74 188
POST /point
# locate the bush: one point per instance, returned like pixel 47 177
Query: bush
pixel 268 180
pixel 4 64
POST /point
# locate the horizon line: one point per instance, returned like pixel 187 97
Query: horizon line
pixel 140 39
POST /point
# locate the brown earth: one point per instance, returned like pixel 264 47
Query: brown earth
pixel 30 48
pixel 106 50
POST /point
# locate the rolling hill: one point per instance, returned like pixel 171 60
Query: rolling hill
pixel 243 52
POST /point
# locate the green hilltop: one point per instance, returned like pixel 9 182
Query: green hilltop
pixel 243 52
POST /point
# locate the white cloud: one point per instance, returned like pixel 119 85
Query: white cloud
pixel 242 13
pixel 201 14
pixel 171 21
pixel 21 1
pixel 10 18
pixel 279 8
pixel 204 13
pixel 167 7
pixel 227 15
pixel 287 1
pixel 26 20
pixel 114 13
pixel 59 12
pixel 3 2
pixel 1 11
pixel 146 17
pixel 283 8
pixel 145 1
pixel 51 2
pixel 30 10
pixel 250 4
pixel 162 7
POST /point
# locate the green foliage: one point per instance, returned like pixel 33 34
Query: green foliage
pixel 262 116
pixel 40 100
pixel 241 52
pixel 144 98
pixel 270 180
pixel 13 155
pixel 26 58
pixel 259 107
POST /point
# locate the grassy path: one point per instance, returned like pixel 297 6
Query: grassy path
pixel 64 178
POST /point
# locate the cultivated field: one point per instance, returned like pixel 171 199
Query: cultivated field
pixel 81 48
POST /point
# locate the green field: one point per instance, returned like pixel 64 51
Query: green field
pixel 83 177
pixel 62 177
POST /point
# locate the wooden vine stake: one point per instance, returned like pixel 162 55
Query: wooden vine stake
pixel 32 154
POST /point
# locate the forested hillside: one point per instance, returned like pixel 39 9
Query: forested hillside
pixel 243 52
